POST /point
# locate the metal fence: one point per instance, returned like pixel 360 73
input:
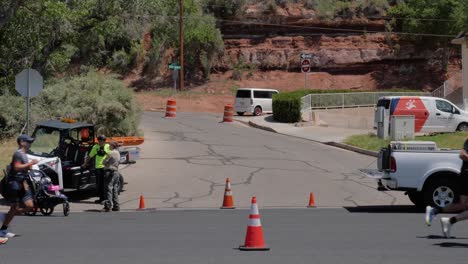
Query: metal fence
pixel 342 100
pixel 449 86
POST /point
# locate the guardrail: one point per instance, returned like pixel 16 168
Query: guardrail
pixel 344 100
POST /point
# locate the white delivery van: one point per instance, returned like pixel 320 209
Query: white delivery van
pixel 254 100
pixel 431 114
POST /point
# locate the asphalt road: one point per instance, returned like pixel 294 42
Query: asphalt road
pixel 362 235
pixel 185 161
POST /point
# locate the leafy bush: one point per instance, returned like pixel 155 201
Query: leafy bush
pixel 239 67
pixel 12 116
pixel 94 98
pixel 120 61
pixel 224 8
pixel 287 107
pixel 270 7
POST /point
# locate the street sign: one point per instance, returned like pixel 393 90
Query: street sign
pixel 174 66
pixel 305 65
pixel 305 62
pixel 28 83
pixel 306 56
pixel 29 78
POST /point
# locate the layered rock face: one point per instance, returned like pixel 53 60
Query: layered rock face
pixel 393 63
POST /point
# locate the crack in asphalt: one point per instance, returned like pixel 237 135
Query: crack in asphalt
pixel 225 160
pixel 275 150
pixel 347 177
pixel 349 199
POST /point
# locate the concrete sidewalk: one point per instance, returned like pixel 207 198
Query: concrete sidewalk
pixel 328 135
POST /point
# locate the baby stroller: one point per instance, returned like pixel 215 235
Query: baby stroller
pixel 46 195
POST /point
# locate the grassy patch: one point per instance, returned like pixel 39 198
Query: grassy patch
pixel 445 140
pixel 8 147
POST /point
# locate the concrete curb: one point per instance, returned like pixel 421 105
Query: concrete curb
pixel 252 124
pixel 333 144
pixel 353 148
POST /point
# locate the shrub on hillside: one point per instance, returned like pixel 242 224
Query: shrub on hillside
pixel 93 98
pixel 12 116
pixel 224 8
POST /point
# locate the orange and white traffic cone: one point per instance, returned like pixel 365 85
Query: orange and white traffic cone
pixel 142 203
pixel 171 109
pixel 254 238
pixel 311 201
pixel 228 114
pixel 228 202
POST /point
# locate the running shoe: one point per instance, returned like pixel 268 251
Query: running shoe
pixel 7 234
pixel 3 240
pixel 430 215
pixel 446 226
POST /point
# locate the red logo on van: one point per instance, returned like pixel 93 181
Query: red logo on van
pixel 413 106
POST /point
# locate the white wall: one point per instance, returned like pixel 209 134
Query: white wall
pixel 465 73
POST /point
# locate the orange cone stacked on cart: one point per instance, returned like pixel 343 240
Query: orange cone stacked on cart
pixel 311 201
pixel 171 108
pixel 228 202
pixel 254 238
pixel 142 203
pixel 228 114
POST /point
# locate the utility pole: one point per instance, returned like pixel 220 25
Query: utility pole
pixel 181 25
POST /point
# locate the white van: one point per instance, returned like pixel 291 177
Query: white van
pixel 254 100
pixel 431 114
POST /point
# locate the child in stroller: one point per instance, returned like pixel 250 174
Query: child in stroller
pixel 46 195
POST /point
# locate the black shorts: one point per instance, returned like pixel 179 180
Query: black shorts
pixel 17 193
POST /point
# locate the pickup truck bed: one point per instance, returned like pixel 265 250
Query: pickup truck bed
pixel 428 175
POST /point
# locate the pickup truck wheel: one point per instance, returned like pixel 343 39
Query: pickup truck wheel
pixel 440 192
pixel 417 198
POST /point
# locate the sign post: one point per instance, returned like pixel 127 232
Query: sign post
pixel 305 66
pixel 28 83
pixel 175 74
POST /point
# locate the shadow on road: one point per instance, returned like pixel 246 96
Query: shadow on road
pixel 79 197
pixel 440 237
pixel 385 209
pixel 452 245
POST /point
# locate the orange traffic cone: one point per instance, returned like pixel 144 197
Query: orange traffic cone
pixel 254 237
pixel 228 114
pixel 311 201
pixel 171 109
pixel 228 202
pixel 142 203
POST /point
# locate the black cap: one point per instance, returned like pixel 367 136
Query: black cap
pixel 24 137
pixel 101 138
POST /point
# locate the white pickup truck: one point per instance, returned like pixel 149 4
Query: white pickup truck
pixel 426 173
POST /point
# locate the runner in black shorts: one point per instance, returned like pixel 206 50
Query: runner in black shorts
pixel 18 190
pixel 462 204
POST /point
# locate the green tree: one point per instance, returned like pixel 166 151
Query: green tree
pixel 443 17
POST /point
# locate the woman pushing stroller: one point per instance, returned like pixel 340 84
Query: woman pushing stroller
pixel 18 189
